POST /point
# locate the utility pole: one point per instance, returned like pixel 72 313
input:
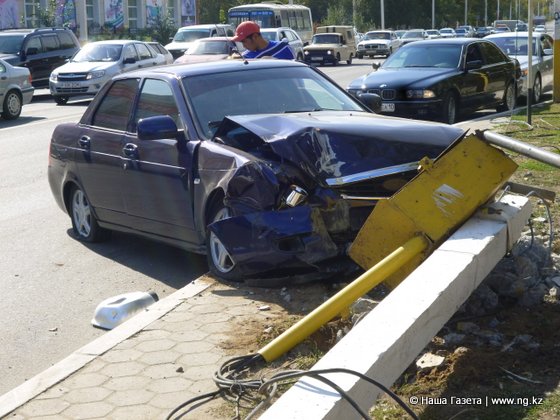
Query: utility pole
pixel 556 92
pixel 382 14
pixel 529 62
pixel 485 12
pixel 466 8
pixel 433 14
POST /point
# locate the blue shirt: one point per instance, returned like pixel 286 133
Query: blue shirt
pixel 274 49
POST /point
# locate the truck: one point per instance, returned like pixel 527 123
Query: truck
pixel 511 24
pixel 331 45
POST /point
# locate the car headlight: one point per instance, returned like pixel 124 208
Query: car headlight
pixel 306 52
pixel 95 74
pixel 420 94
pixel 54 77
pixel 329 52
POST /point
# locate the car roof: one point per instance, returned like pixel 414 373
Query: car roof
pixel 446 41
pixel 204 26
pixel 383 31
pixel 116 42
pixel 516 34
pixel 215 39
pixel 182 70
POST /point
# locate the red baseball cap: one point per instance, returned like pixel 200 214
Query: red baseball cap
pixel 246 29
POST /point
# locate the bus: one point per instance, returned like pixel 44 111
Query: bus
pixel 511 24
pixel 275 15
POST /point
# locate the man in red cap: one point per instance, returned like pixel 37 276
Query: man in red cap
pixel 249 34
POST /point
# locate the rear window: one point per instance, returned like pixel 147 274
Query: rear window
pixel 66 40
pixel 50 43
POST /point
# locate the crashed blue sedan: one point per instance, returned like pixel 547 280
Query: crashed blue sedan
pixel 266 166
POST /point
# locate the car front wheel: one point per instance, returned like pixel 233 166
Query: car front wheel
pixel 450 109
pixel 537 89
pixel 11 109
pixel 509 99
pixel 84 222
pixel 219 260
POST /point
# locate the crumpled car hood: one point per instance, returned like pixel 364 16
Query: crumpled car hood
pixel 330 145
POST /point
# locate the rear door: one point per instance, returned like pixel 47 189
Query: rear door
pixel 499 70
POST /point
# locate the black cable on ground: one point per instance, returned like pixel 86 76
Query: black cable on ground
pixel 234 387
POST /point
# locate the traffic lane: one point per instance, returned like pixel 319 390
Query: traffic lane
pixel 51 282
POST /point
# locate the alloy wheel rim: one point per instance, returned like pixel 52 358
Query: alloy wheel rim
pixel 81 213
pixel 537 90
pixel 451 110
pixel 220 257
pixel 510 98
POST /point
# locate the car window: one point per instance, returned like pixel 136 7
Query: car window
pixel 50 43
pixel 114 109
pixel 33 45
pixel 143 51
pixel 10 44
pixel 492 53
pixel 2 68
pixel 156 98
pixel 130 52
pixel 65 40
pixel 279 90
pixel 546 42
pixel 473 53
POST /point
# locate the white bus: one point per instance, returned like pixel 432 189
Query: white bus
pixel 275 15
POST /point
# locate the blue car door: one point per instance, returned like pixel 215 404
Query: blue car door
pixel 100 163
pixel 159 172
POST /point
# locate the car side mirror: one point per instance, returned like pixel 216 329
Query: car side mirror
pixel 474 65
pixel 157 128
pixel 371 100
pixel 129 60
pixel 375 66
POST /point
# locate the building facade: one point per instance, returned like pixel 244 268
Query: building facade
pixel 87 16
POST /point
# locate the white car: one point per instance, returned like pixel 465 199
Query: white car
pixel 15 89
pixel 378 43
pixel 447 33
pixel 161 50
pixel 540 28
pixel 186 35
pixel 98 62
pixel 515 45
pixel 433 34
pixel 278 34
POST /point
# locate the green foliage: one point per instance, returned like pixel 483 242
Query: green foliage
pixel 163 28
pixel 46 17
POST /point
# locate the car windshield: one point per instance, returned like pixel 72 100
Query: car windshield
pixel 98 52
pixel 326 39
pixel 377 35
pixel 262 91
pixel 445 31
pixel 191 35
pixel 413 34
pixel 460 31
pixel 512 45
pixel 269 35
pixel 10 44
pixel 442 56
pixel 209 48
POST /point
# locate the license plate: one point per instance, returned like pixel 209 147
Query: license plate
pixel 70 84
pixel 387 107
pixel 316 58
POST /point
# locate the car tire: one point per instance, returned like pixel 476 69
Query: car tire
pixel 537 89
pixel 349 61
pixel 84 223
pixel 11 108
pixel 508 102
pixel 360 56
pixel 299 57
pixel 61 100
pixel 390 52
pixel 337 59
pixel 450 109
pixel 219 261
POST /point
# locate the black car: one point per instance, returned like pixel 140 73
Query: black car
pixel 40 50
pixel 442 78
pixel 266 185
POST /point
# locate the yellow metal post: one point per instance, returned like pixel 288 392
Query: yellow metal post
pixel 556 91
pixel 343 299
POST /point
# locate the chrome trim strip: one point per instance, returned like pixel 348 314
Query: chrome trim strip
pixel 359 198
pixel 376 173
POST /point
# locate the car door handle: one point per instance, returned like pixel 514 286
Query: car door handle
pixel 85 142
pixel 130 150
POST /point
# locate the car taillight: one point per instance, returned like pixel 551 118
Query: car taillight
pixel 29 79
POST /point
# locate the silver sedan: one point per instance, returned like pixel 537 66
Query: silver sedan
pixel 15 89
pixel 515 44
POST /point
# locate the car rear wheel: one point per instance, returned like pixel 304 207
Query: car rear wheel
pixel 11 109
pixel 84 222
pixel 359 55
pixel 509 99
pixel 219 261
pixel 450 109
pixel 337 59
pixel 537 89
pixel 61 100
pixel 349 61
pixel 390 52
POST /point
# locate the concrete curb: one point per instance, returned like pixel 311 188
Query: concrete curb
pixel 61 370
